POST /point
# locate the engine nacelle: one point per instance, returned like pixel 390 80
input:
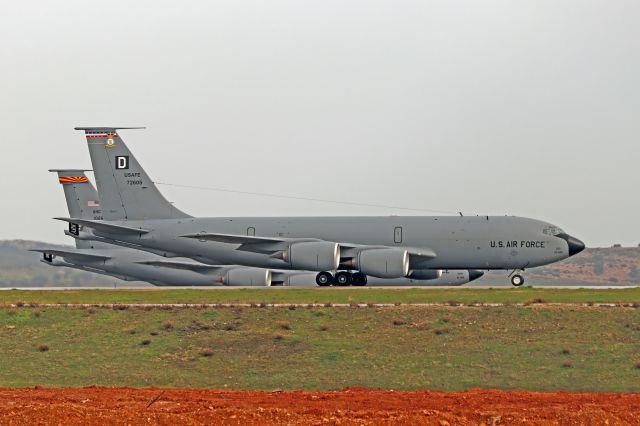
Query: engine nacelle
pixel 313 256
pixel 425 274
pixel 255 277
pixel 383 263
pixel 300 280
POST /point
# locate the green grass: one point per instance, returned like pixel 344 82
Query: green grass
pixel 326 348
pixel 321 295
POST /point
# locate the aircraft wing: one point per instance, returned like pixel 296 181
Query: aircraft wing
pixel 104 227
pixel 81 256
pixel 417 256
pixel 186 266
pixel 250 243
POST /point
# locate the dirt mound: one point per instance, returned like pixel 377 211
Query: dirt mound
pixel 96 405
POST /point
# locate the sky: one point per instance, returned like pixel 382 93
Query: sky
pixel 528 108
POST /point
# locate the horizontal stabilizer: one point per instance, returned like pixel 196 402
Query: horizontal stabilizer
pixel 77 255
pixel 104 227
pixel 105 128
pixel 196 267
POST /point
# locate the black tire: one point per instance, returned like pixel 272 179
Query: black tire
pixel 359 279
pixel 517 280
pixel 343 279
pixel 324 279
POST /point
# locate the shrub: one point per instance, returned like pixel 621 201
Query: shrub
pixel 230 327
pixel 566 364
pixel 292 308
pixel 19 304
pixel 441 331
pixel 154 333
pixel 284 325
pixel 537 300
pixel 637 365
pixel 398 322
pixel 167 325
pixel 324 327
pixel 206 352
pixel 278 337
pixel 453 303
pixel 37 314
pixel 565 351
pixel 445 320
pixel 146 342
pixel 43 347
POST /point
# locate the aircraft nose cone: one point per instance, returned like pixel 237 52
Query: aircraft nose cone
pixel 575 245
pixel 474 274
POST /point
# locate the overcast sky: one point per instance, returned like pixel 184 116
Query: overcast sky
pixel 529 108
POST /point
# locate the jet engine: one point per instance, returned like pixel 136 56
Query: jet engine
pixel 313 256
pixel 425 274
pixel 382 263
pixel 255 277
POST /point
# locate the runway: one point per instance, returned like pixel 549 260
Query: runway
pixel 476 287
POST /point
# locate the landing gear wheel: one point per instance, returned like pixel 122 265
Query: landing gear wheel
pixel 343 279
pixel 517 280
pixel 324 279
pixel 359 279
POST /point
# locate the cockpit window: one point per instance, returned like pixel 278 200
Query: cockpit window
pixel 553 230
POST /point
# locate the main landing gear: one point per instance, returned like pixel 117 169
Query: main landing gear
pixel 341 279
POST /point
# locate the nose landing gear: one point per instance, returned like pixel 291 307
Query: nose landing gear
pixel 517 278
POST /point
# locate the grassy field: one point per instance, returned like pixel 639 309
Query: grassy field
pixel 534 348
pixel 323 295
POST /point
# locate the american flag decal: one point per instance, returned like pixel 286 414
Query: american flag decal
pixel 73 179
pixel 92 203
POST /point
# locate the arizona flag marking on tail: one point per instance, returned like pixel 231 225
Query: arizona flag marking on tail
pixel 73 179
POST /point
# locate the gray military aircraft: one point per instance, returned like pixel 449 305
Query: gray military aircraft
pixel 134 265
pixel 135 214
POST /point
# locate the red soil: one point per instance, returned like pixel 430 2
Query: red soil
pixel 96 405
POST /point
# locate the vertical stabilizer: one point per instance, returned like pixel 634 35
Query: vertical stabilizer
pixel 126 191
pixel 82 199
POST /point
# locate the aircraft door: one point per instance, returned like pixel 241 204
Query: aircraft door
pixel 251 231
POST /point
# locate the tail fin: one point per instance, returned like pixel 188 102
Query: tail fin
pixel 82 198
pixel 126 191
pixel 81 195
